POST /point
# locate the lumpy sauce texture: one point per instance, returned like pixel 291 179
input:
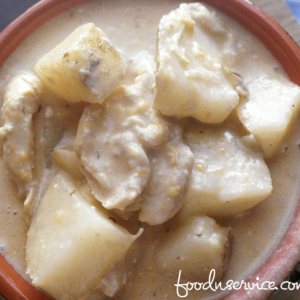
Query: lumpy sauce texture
pixel 131 26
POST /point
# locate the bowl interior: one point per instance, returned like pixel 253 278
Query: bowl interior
pixel 252 18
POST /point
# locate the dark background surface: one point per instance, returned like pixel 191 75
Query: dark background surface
pixel 11 9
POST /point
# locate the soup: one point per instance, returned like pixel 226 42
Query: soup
pixel 255 234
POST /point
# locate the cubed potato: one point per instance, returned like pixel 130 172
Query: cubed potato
pixel 72 244
pixel 227 177
pixel 83 67
pixel 66 160
pixel 269 110
pixel 195 248
pixel 191 79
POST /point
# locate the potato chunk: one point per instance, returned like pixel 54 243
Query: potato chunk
pixel 84 67
pixel 66 160
pixel 21 101
pixel 227 178
pixel 195 248
pixel 72 244
pixel 269 110
pixel 190 78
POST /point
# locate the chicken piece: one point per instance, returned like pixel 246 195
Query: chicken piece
pixel 191 79
pixel 171 166
pixel 71 244
pixel 84 67
pixel 139 63
pixel 33 122
pixel 269 110
pixel 112 139
pixel 116 166
pixel 195 248
pixel 21 102
pixel 130 107
pixel 227 177
pixel 56 120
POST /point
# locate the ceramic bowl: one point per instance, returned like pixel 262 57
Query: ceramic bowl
pixel 281 45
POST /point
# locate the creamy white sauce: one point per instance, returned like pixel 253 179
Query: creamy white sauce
pixel 131 27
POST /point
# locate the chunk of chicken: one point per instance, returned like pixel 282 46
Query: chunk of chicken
pixel 139 63
pixel 112 140
pixel 33 122
pixel 83 67
pixel 115 166
pixel 171 166
pixel 21 101
pixel 55 122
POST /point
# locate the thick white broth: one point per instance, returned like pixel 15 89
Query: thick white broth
pixel 131 26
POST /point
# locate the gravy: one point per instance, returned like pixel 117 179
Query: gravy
pixel 131 27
